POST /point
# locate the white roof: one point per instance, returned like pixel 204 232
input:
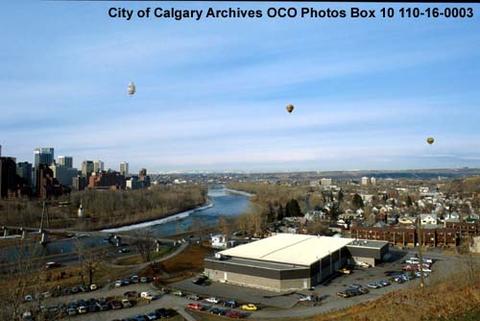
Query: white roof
pixel 288 248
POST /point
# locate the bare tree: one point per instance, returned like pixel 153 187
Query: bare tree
pixel 89 260
pixel 224 226
pixel 21 277
pixel 144 243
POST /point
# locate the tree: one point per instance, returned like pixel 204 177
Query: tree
pixel 292 209
pixel 340 196
pixel 335 211
pixel 357 201
pixel 224 226
pixel 409 201
pixel 280 213
pixel 144 243
pixel 89 260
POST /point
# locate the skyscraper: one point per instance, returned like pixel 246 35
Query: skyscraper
pixel 124 169
pixel 87 168
pixel 24 170
pixel 66 161
pixel 8 176
pixel 43 155
pixel 98 166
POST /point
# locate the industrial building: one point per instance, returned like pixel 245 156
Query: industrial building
pixel 286 262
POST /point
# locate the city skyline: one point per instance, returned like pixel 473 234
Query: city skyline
pixel 211 95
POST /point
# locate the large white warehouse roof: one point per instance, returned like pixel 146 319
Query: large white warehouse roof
pixel 299 249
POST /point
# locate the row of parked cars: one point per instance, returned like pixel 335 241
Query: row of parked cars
pixel 55 312
pixel 132 280
pixel 353 290
pixel 161 313
pixel 228 303
pixel 230 313
pixel 59 291
pixel 96 305
pixel 414 264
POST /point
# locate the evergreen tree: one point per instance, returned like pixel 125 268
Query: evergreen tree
pixel 292 209
pixel 357 201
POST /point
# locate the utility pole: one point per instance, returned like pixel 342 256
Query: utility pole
pixel 420 249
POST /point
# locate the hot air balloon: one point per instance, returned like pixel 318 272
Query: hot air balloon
pixel 290 108
pixel 131 88
pixel 430 140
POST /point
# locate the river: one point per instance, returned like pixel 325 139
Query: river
pixel 222 202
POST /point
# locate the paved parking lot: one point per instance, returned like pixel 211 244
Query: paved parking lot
pixel 286 305
pixel 273 305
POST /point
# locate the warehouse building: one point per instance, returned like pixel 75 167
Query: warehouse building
pixel 286 262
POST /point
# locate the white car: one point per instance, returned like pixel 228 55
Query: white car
pixel 82 309
pixel 212 300
pixel 305 298
pixel 147 295
pixel 118 283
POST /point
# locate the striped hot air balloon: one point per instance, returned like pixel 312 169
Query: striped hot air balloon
pixel 290 108
pixel 131 88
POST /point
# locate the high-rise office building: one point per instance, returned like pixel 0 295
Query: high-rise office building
pixel 8 176
pixel 63 174
pixel 98 166
pixel 24 171
pixel 43 155
pixel 124 168
pixel 87 168
pixel 66 161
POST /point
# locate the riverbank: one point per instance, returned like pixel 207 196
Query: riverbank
pixel 234 191
pixel 163 220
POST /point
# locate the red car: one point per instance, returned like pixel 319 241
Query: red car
pixel 234 314
pixel 195 306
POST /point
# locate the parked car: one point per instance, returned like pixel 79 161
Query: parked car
pixel 178 293
pixel 126 303
pixel 82 309
pixel 305 298
pixel 116 305
pixel 151 316
pixel 345 293
pixel 345 271
pixel 164 313
pixel 213 300
pixel 374 285
pixel 93 287
pixel 249 307
pixel 193 297
pixel 147 295
pixel 217 311
pixel 230 304
pixel 71 311
pixel 118 283
pixel 131 294
pixel 134 279
pixel 234 314
pixel 145 279
pixel 200 280
pixel 52 265
pixel 195 306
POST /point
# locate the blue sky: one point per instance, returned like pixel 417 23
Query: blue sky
pixel 211 94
